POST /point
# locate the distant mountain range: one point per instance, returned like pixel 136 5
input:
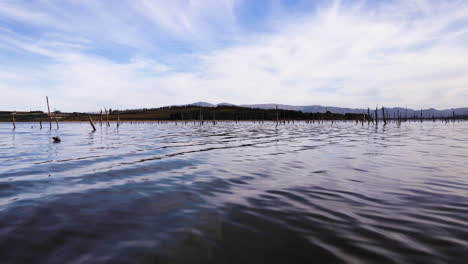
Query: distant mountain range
pixel 427 113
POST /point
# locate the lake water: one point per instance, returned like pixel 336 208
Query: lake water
pixel 234 193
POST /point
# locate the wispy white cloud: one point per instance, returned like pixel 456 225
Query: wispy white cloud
pixel 346 54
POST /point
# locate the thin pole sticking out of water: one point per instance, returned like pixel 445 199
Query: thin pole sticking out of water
pixel 40 123
pixel 383 115
pixel 56 120
pixel 48 111
pixel 369 116
pixel 107 116
pixel 376 115
pixel 101 117
pixel 201 117
pixel 13 119
pixel 277 115
pixel 118 120
pixel 91 122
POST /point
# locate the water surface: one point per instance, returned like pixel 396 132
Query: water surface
pixel 234 193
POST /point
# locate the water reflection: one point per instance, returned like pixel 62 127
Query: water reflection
pixel 234 193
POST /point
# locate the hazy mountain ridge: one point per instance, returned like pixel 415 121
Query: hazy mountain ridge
pixel 392 111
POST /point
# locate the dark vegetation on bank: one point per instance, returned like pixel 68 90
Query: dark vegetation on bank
pixel 178 113
pixel 221 112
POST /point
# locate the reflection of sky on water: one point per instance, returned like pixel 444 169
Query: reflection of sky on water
pixel 313 180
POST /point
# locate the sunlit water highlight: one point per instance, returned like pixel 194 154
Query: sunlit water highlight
pixel 234 193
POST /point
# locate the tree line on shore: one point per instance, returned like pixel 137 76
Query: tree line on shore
pixel 194 112
pixel 184 113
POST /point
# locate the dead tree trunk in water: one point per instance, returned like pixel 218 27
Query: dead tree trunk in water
pixel 48 111
pixel 383 115
pixel 13 120
pixel 91 122
pixel 201 117
pixel 107 116
pixel 369 117
pixel 101 117
pixel 377 115
pixel 56 120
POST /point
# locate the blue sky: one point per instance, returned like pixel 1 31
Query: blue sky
pixel 88 54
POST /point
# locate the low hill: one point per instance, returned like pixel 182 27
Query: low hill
pixel 188 112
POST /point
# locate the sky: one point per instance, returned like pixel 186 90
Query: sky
pixel 89 54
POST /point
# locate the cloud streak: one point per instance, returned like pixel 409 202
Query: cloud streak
pixel 151 53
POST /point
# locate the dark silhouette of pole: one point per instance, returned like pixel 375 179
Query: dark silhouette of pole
pixel 48 111
pixel 383 115
pixel 91 122
pixel 376 115
pixel 14 121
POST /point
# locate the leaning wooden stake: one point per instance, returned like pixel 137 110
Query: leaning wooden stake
pixel 40 123
pixel 13 119
pixel 91 122
pixel 48 111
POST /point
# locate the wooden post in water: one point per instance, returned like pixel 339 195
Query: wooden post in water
pixel 376 115
pixel 107 116
pixel 48 111
pixel 14 121
pixel 369 116
pixel 200 117
pixel 91 122
pixel 101 117
pixel 56 120
pixel 383 115
pixel 40 123
pixel 118 120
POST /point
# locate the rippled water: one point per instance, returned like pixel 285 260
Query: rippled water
pixel 234 193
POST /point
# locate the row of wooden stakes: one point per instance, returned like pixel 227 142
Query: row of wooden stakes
pixel 397 118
